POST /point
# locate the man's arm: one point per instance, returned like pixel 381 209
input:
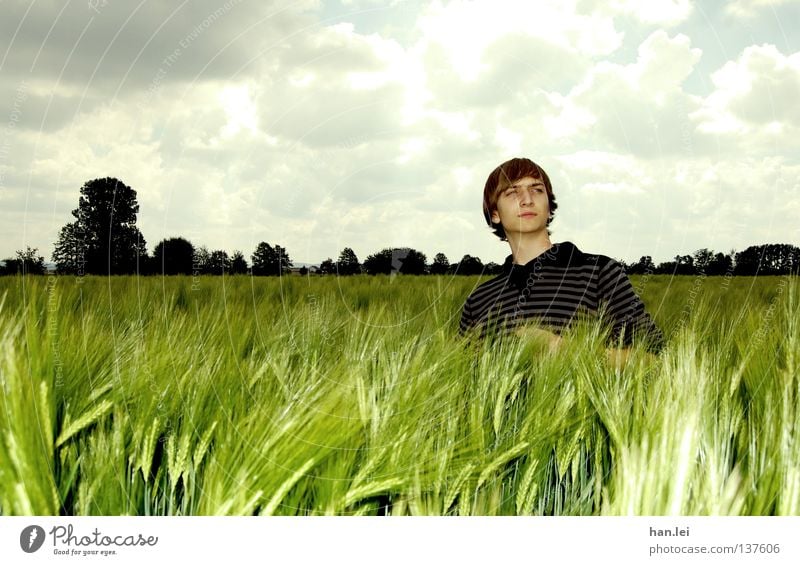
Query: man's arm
pixel 466 319
pixel 625 310
pixel 617 357
pixel 552 340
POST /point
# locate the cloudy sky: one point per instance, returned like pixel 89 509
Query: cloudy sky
pixel 665 126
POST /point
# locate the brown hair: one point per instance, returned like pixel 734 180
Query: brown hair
pixel 505 175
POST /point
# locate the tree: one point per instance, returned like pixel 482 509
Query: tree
pixel 682 265
pixel 70 250
pixel 492 268
pixel 721 264
pixel 768 259
pixel 27 262
pixel 218 263
pixel 10 266
pixel 469 265
pixel 173 256
pixel 667 268
pixel 238 263
pixel 702 259
pixel 396 260
pixel 268 260
pixel 380 263
pixel 105 233
pixel 200 260
pixel 348 263
pixel 685 267
pixel 643 266
pixel 440 264
pixel 327 267
pixel 413 262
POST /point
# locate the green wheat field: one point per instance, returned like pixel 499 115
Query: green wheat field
pixel 356 396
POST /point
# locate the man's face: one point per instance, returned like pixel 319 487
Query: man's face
pixel 523 207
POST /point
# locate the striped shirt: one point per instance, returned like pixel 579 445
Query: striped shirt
pixel 553 289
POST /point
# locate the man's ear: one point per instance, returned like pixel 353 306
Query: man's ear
pixel 495 217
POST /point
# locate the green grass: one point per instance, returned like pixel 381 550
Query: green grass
pixel 298 396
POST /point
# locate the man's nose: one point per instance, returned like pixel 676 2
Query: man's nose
pixel 525 196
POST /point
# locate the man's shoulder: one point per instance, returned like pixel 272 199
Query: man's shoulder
pixel 570 255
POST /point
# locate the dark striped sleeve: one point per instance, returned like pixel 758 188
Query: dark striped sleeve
pixel 625 310
pixel 466 318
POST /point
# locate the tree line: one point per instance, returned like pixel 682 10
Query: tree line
pixel 103 239
pixel 766 259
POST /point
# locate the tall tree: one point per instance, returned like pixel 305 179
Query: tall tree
pixel 106 218
pixel 218 263
pixel 327 267
pixel 348 263
pixel 469 265
pixel 396 260
pixel 684 265
pixel 238 263
pixel 106 214
pixel 173 256
pixel 414 262
pixel 721 264
pixel 200 260
pixel 768 259
pixel 380 263
pixel 70 250
pixel 440 264
pixel 702 259
pixel 269 260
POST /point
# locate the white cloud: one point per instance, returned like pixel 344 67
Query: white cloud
pixel 639 107
pixel 606 172
pixel 570 118
pixel 657 12
pixel 240 110
pixel 755 97
pixel 683 205
pixel 750 8
pixel 465 30
pixel 508 140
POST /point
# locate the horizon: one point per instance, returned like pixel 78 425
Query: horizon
pixel 665 128
pixel 51 265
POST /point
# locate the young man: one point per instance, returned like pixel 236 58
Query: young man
pixel 546 282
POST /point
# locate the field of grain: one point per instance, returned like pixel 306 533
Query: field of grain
pixel 355 395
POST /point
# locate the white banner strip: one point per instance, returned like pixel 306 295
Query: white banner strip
pixel 382 540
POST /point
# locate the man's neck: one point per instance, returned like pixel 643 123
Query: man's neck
pixel 527 246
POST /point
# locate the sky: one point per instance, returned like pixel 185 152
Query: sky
pixel 665 126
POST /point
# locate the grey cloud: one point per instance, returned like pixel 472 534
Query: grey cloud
pixel 327 51
pixel 44 112
pixel 330 115
pixel 122 46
